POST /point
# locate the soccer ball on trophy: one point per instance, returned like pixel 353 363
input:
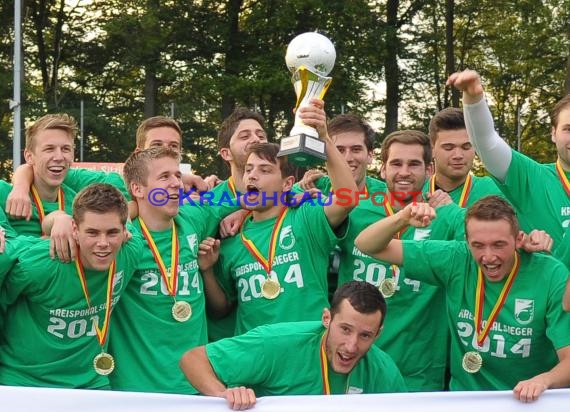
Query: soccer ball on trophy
pixel 310 58
pixel 312 50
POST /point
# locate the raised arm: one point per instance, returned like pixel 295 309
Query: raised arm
pixel 199 372
pixel 337 168
pixel 494 151
pixel 377 240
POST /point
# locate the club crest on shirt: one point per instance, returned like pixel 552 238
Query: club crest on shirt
pixel 118 283
pixel 193 243
pixel 524 311
pixel 422 234
pixel 286 238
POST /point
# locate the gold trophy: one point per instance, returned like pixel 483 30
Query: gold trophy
pixel 310 58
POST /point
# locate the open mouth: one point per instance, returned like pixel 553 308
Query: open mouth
pixel 56 170
pixel 492 270
pixel 344 359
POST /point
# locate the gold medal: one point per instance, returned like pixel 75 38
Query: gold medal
pixel 104 363
pixel 387 287
pixel 270 289
pixel 181 311
pixel 472 362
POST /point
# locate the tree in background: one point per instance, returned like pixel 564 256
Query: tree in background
pixel 198 60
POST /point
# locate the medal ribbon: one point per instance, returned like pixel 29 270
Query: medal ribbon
pixel 324 366
pixel 170 277
pixel 431 185
pixel 390 212
pixel 40 207
pixel 232 185
pixel 101 332
pixel 266 263
pixel 562 177
pixel 467 186
pixel 480 298
pixel 466 190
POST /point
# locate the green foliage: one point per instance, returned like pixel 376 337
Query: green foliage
pixel 199 59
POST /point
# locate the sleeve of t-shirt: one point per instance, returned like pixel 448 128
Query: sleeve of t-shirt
pixel 223 272
pixel 207 217
pixel 31 274
pixel 433 261
pixel 518 182
pixel 132 251
pixel 562 252
pixel 317 227
pixel 8 259
pixel 241 360
pixel 323 183
pixel 79 178
pixel 9 232
pixel 557 321
pixel 454 217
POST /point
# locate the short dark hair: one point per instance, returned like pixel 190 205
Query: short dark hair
pixel 100 198
pixel 450 118
pixel 493 208
pixel 407 137
pixel 268 151
pixel 560 105
pixel 351 123
pixel 230 124
pixel 363 297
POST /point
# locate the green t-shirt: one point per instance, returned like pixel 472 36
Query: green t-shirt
pixel 537 194
pixel 225 327
pixel 49 328
pixel 300 264
pixel 14 247
pixel 480 187
pixel 9 232
pixel 147 341
pixel 284 359
pixel 324 184
pixel 562 252
pixel 80 178
pixel 33 226
pixel 416 311
pixel 528 330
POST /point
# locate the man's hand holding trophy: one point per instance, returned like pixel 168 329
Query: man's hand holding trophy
pixel 310 58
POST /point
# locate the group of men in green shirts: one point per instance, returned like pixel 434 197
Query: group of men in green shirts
pixel 273 268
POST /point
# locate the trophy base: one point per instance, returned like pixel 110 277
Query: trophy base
pixel 303 150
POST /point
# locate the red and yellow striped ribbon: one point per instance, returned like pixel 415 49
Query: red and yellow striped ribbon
pixel 466 190
pixel 232 185
pixel 562 177
pixel 266 263
pixel 40 207
pixel 480 298
pixel 101 332
pixel 324 366
pixel 467 186
pixel 170 277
